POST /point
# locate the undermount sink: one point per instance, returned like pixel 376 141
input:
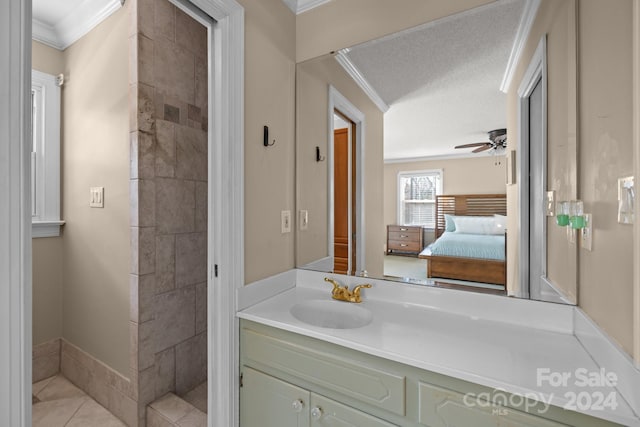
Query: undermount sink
pixel 332 314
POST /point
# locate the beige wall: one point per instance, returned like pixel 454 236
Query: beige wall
pixel 587 167
pixel 95 152
pixel 313 80
pixel 606 154
pixel 269 172
pixel 339 24
pixel 47 252
pixel 476 175
pixel 554 20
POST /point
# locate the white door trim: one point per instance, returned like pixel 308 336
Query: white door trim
pixel 15 213
pixel 338 102
pixel 537 71
pixel 226 160
pixel 226 207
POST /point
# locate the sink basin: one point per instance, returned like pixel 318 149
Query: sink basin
pixel 332 314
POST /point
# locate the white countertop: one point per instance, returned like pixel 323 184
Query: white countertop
pixel 493 353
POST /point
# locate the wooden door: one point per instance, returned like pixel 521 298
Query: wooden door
pixel 341 201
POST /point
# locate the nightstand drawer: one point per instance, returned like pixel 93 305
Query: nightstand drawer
pixel 404 245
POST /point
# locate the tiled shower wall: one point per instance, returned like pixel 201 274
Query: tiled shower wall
pixel 169 200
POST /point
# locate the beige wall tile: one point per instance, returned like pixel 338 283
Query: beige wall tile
pixel 190 34
pixel 202 208
pixel 165 20
pixel 142 155
pixel 145 54
pixel 202 84
pixel 191 153
pixel 145 13
pixel 175 201
pixel 143 246
pixel 191 363
pixel 191 258
pixel 165 161
pixel 194 418
pixel 174 70
pixel 165 372
pixel 175 317
pixel 165 263
pixel 201 307
pixel 142 289
pixel 123 407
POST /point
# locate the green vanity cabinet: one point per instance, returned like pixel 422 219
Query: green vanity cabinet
pixel 293 380
pixel 268 401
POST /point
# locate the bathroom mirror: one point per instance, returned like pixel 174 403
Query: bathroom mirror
pixel 374 157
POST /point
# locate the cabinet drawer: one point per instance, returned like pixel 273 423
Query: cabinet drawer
pixel 403 228
pixel 375 387
pixel 440 407
pixel 404 246
pixel 411 236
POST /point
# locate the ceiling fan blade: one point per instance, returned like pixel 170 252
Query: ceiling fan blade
pixel 475 144
pixel 481 149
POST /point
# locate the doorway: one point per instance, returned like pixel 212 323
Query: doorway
pixel 346 221
pixel 345 167
pixel 15 253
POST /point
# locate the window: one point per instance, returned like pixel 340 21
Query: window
pixel 45 155
pixel 417 197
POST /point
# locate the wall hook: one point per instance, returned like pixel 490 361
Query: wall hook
pixel 319 158
pixel 265 140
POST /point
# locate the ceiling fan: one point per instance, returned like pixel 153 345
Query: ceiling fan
pixel 497 140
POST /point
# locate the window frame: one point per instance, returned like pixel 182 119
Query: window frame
pixel 400 192
pixel 45 160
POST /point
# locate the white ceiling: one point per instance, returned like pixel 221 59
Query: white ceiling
pixel 442 80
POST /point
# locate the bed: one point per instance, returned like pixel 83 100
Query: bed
pixel 469 257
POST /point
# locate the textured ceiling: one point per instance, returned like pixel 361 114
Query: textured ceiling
pixel 441 80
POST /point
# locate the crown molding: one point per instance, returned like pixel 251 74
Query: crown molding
pixel 443 157
pixel 360 80
pixel 524 29
pixel 71 28
pixel 301 6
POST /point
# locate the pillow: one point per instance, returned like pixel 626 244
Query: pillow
pixel 501 223
pixel 449 224
pixel 475 225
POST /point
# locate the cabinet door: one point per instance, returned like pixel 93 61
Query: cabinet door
pixel 268 402
pixel 328 413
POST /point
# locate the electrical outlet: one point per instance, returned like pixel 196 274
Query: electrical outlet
pixel 304 219
pixel 285 221
pixel 96 199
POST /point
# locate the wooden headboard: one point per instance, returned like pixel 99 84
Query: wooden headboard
pixel 470 205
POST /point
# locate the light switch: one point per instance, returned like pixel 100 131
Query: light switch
pixel 304 219
pixel 551 203
pixel 285 221
pixel 96 198
pixel 587 233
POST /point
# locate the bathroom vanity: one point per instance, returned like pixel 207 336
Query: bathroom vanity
pixel 411 364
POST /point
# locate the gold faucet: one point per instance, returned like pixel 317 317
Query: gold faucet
pixel 342 293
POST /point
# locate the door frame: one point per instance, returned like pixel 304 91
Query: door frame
pixel 226 220
pixel 536 72
pixel 339 102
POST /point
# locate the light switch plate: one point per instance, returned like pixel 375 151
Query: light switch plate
pixel 586 233
pixel 96 197
pixel 285 221
pixel 304 219
pixel 551 203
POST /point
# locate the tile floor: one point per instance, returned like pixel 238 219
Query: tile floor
pixel 59 403
pixel 172 411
